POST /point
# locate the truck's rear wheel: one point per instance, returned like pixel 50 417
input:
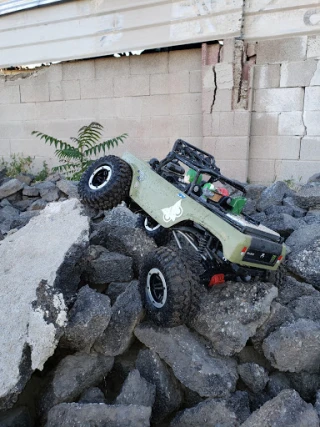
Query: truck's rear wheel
pixel 105 183
pixel 165 286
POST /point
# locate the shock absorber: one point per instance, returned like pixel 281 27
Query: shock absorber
pixel 203 241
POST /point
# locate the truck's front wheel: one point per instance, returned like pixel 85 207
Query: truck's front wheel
pixel 165 286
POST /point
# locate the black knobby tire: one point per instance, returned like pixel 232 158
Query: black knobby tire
pixel 105 183
pixel 154 230
pixel 173 308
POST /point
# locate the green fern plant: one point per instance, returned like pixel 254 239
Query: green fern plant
pixel 76 158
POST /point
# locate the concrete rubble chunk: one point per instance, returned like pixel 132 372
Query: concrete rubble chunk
pixel 10 187
pixel 168 391
pixel 70 188
pixel 30 191
pixel 238 403
pixel 231 314
pixel 305 384
pixel 136 391
pixel 48 191
pixel 209 413
pixel 127 312
pixel 306 307
pixel 115 289
pixel 73 375
pixel 33 312
pixel 302 237
pixel 98 415
pixel 88 318
pixel 282 223
pixel 278 381
pixel 92 395
pixel 18 417
pixel 253 191
pixel 120 216
pixel 273 195
pixel 38 205
pixel 295 347
pixel 254 376
pixel 308 197
pixel 190 361
pixel 286 409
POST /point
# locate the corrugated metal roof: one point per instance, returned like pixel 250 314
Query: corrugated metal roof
pixel 9 6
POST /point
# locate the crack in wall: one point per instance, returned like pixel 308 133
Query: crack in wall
pixel 215 80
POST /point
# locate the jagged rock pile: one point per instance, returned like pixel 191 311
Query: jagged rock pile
pixel 249 357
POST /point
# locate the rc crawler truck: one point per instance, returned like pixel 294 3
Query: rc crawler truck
pixel 195 215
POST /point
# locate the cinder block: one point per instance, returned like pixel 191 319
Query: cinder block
pixel 147 148
pixel 312 122
pixel 179 82
pixel 311 102
pixel 264 124
pixel 196 125
pixel 266 76
pixel 207 124
pixel 50 110
pixel 297 73
pixel 4 147
pixel 227 51
pixel 209 144
pixel 86 108
pixel 215 124
pixel 231 148
pixel 195 81
pixel 278 100
pixel 310 148
pixel 224 74
pixel 159 84
pixel 313 50
pixel 261 171
pixel 207 100
pixel 135 127
pixel 34 93
pixel 161 126
pixel 138 85
pixel 281 50
pixel 291 123
pixel 251 49
pixel 123 107
pixel 149 63
pixel 91 89
pixel 241 123
pixel 32 147
pixel 109 67
pixel 185 103
pixel 226 125
pixel 156 105
pixel 275 147
pixel 60 128
pixel 315 81
pixel 300 171
pixel 64 90
pixel 9 95
pixel 50 73
pixel 208 77
pixel 78 70
pixel 17 112
pixel 188 59
pixel 223 100
pixel 105 107
pixel 234 169
pixel 179 127
pixel 16 129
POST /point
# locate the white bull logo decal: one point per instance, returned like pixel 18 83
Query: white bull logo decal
pixel 173 212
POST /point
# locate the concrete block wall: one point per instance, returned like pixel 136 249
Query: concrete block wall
pixel 285 119
pixel 155 98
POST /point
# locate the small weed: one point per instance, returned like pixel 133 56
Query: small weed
pixel 17 165
pixel 44 173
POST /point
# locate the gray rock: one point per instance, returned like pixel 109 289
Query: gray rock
pixel 209 413
pixel 256 400
pixel 259 216
pixel 121 217
pixel 273 195
pixel 70 188
pixel 249 207
pixel 253 191
pixel 73 375
pixel 250 355
pixel 136 391
pixel 300 238
pixel 22 205
pixel 305 384
pixel 48 191
pixel 30 191
pixel 128 241
pixel 32 316
pixel 295 347
pixel 23 219
pixel 18 417
pixel 277 210
pixel 307 307
pixel 106 267
pixel 88 318
pixel 291 289
pixel 115 289
pixel 38 205
pixel 168 392
pixel 26 178
pixel 231 314
pixel 92 395
pixel 10 187
pixel 254 376
pixel 317 403
pixel 308 197
pixel 278 381
pixel 126 314
pixel 8 215
pixel 282 223
pixel 312 217
pixel 193 366
pixel 286 409
pixel 297 212
pixel 305 263
pixel 98 415
pixel 314 178
pixel 238 403
pixel 279 314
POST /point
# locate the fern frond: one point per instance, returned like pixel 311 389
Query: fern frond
pixel 105 145
pixel 68 153
pixel 89 135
